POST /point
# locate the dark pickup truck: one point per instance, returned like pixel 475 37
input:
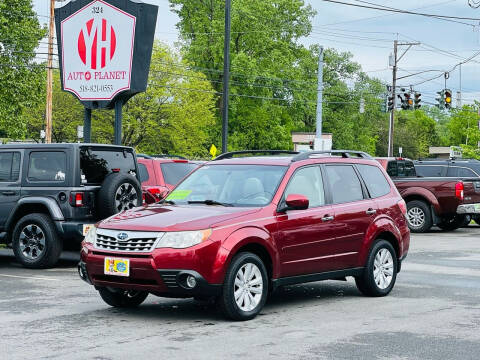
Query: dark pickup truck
pixel 441 201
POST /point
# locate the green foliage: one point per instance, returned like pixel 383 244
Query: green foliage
pixel 463 126
pixel 21 79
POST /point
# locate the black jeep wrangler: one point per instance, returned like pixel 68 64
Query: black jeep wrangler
pixel 50 194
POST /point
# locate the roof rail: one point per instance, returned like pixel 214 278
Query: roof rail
pixel 342 153
pixel 145 156
pixel 168 156
pixel 231 154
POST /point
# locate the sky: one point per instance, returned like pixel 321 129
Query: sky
pixel 369 34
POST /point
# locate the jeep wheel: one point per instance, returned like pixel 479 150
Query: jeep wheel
pixel 418 216
pixel 119 192
pixel 380 272
pixel 35 242
pixel 245 288
pixel 122 298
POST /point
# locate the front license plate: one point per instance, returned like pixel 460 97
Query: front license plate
pixel 116 266
pixel 86 228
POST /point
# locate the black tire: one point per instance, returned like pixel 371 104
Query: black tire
pixel 122 298
pixel 226 300
pixel 35 241
pixel 423 210
pixel 122 187
pixel 366 282
pixel 476 218
pixel 453 223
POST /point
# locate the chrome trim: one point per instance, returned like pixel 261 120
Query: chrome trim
pixel 127 245
pixel 469 209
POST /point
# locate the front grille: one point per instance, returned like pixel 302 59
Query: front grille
pixel 136 241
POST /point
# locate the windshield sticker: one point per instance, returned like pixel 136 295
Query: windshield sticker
pixel 179 194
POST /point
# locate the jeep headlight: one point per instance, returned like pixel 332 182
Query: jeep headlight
pixel 182 239
pixel 91 235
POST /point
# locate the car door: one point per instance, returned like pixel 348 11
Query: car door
pixel 304 237
pixel 9 183
pixel 353 210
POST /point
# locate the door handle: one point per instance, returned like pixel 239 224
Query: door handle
pixel 327 218
pixel 371 211
pixel 8 193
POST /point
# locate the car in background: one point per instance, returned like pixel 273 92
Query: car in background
pixel 238 227
pixel 160 173
pixel 447 202
pixel 447 167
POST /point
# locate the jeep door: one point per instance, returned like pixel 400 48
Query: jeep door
pixel 304 237
pixel 9 183
pixel 353 212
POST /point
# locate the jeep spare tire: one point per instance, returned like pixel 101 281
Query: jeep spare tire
pixel 118 192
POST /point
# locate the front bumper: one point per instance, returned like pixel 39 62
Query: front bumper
pixel 468 209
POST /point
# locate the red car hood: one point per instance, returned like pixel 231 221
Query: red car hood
pixel 174 217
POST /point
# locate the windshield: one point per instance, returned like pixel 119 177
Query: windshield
pixel 235 185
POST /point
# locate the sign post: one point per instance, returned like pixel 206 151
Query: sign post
pixel 105 48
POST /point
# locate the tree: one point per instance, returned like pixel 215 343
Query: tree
pixel 463 126
pixel 21 78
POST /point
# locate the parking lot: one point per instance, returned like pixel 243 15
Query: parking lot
pixel 433 312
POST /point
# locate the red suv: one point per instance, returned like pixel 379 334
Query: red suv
pixel 238 227
pixel 160 173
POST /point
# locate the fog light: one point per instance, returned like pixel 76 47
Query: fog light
pixel 191 281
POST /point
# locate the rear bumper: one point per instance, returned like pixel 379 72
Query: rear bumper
pixel 469 209
pixel 71 230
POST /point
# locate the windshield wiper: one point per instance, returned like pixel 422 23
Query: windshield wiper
pixel 164 201
pixel 209 202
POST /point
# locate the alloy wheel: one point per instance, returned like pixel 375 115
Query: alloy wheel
pixel 383 268
pixel 32 242
pixel 248 289
pixel 416 217
pixel 125 197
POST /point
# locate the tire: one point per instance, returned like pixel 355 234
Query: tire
pixel 367 283
pixel 453 223
pixel 419 216
pixel 476 218
pixel 122 298
pixel 118 192
pixel 243 310
pixel 35 241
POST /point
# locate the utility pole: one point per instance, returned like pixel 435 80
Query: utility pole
pixel 396 59
pixel 226 76
pixel 48 110
pixel 318 143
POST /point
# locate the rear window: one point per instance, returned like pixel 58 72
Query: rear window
pixel 174 172
pixel 430 170
pixel 376 183
pixel 47 166
pixel 401 168
pixel 96 164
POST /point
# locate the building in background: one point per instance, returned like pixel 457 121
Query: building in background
pixel 303 141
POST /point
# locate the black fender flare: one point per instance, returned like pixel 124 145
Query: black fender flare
pixel 51 205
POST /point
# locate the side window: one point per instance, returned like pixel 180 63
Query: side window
pixel 308 182
pixel 376 183
pixel 344 183
pixel 410 169
pixel 47 166
pixel 452 171
pixel 392 168
pixel 9 166
pixel 464 172
pixel 143 172
pixel 429 170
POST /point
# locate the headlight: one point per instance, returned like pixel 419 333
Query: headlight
pixel 183 239
pixel 91 235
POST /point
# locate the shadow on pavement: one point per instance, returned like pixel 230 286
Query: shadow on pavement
pixel 68 259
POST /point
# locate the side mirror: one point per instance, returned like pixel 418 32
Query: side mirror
pixel 296 202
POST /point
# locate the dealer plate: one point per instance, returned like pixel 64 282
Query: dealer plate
pixel 86 228
pixel 116 266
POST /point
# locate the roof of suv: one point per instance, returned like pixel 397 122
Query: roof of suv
pixel 61 146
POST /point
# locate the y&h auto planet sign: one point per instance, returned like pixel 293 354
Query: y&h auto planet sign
pixel 105 48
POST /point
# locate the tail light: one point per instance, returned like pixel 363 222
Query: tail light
pixel 403 207
pixel 143 198
pixel 158 193
pixel 459 190
pixel 77 199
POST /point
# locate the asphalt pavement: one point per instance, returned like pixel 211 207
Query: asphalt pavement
pixel 432 313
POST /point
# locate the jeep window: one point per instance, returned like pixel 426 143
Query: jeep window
pixel 175 171
pixel 96 164
pixel 9 166
pixel 143 173
pixel 344 184
pixel 374 179
pixel 307 182
pixel 236 185
pixel 47 166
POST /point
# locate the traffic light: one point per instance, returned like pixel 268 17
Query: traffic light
pixel 448 98
pixel 417 101
pixel 441 99
pixel 390 104
pixel 408 101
